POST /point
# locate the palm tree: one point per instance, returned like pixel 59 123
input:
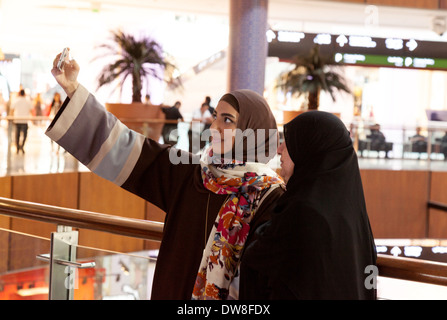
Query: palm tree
pixel 140 59
pixel 311 74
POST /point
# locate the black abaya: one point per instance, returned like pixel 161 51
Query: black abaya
pixel 319 241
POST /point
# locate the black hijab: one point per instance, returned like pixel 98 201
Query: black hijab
pixel 319 240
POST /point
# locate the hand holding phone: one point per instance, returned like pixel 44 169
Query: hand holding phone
pixel 61 62
pixel 66 71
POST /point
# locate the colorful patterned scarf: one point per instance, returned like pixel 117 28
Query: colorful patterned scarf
pixel 244 183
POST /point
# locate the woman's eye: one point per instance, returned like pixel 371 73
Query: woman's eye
pixel 228 120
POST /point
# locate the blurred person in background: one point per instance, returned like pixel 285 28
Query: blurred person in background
pixel 171 113
pixel 21 108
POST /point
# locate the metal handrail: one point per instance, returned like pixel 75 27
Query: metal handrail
pixel 389 266
pixel 436 205
pixel 42 118
pixel 412 269
pixel 149 230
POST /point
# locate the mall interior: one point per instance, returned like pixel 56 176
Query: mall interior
pixel 392 54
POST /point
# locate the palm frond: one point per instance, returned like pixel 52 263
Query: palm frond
pixel 141 59
pixel 312 73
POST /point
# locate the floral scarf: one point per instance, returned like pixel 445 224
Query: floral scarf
pixel 243 183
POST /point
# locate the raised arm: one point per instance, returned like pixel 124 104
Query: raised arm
pixel 106 146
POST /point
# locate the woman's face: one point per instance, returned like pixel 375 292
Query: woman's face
pixel 287 165
pixel 223 128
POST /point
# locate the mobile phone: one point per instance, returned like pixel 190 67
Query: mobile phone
pixel 61 62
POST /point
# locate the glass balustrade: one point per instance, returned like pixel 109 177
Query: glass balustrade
pixel 22 276
pixel 26 272
pixel 110 275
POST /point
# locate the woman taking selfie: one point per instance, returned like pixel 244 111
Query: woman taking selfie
pixel 212 203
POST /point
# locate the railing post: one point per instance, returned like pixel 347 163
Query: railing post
pixel 62 277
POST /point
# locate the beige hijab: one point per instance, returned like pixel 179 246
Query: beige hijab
pixel 257 135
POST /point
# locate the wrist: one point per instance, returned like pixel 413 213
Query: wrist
pixel 71 89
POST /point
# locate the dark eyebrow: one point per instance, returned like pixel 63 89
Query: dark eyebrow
pixel 228 115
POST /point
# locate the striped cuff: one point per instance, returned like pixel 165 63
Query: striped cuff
pixel 58 130
pixel 97 138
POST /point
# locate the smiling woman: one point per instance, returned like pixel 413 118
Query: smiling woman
pixel 224 126
pixel 212 203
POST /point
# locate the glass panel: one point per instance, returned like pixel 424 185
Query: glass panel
pixel 22 276
pixel 116 276
pixel 405 148
pixel 124 266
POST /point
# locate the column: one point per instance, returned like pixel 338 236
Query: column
pixel 247 50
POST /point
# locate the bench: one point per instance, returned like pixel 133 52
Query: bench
pixel 366 145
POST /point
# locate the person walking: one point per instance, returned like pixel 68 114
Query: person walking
pixel 21 108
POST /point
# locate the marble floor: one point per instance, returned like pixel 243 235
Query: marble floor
pixel 41 154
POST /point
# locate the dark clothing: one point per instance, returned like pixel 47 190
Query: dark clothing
pixel 444 146
pixel 21 130
pixel 185 203
pixel 377 140
pixel 418 143
pixel 319 240
pixel 147 169
pixel 171 113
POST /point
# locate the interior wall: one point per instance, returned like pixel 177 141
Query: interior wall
pixel 396 203
pixel 437 218
pixel 5 191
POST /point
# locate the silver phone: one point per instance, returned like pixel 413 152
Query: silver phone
pixel 61 62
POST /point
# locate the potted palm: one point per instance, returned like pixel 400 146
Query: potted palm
pixel 312 74
pixel 141 60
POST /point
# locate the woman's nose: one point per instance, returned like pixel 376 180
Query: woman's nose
pixel 215 125
pixel 279 150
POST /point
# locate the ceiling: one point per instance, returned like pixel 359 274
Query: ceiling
pixel 190 30
pixel 30 26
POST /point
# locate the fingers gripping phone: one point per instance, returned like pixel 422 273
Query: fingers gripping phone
pixel 61 62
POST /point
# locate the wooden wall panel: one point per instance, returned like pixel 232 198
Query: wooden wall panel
pixel 100 195
pixel 5 191
pixel 437 224
pixel 438 190
pixel 442 4
pixel 396 202
pixel 52 189
pixel 437 218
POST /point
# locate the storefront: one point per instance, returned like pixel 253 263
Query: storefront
pixel 393 81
